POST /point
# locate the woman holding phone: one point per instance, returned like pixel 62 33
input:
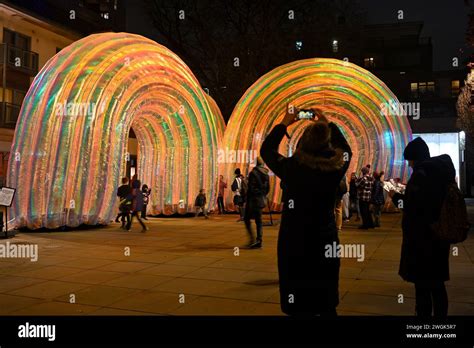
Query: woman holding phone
pixel 308 278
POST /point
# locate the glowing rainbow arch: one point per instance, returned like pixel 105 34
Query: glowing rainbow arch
pixel 357 101
pixel 70 143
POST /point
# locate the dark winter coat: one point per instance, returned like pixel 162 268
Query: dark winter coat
pixel 352 189
pixel 341 189
pixel 423 258
pixel 377 193
pixel 200 200
pixel 309 185
pixel 257 190
pixel 240 190
pixel 124 192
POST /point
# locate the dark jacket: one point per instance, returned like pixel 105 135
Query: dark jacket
pixel 423 258
pixel 124 191
pixel 200 200
pixel 240 191
pixel 377 193
pixel 309 185
pixel 341 189
pixel 352 189
pixel 258 187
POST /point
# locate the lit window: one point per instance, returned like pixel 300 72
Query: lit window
pixel 369 62
pixel 430 87
pixel 422 87
pixel 455 88
pixel 414 89
pixel 419 89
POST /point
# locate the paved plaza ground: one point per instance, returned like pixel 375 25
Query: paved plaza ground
pixel 187 266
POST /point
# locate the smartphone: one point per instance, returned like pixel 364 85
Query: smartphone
pixel 305 114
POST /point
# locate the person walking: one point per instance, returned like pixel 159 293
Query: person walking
pixel 308 279
pixel 200 203
pixel 364 185
pixel 146 198
pixel 258 187
pixel 424 258
pixel 137 206
pixel 124 193
pixel 220 196
pixel 239 186
pixel 378 199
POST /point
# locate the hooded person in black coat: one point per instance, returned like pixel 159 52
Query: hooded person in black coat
pixel 424 260
pixel 310 178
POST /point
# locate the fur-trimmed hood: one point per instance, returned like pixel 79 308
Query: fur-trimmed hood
pixel 328 160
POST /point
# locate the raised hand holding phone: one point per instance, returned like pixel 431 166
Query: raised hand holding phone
pixel 306 114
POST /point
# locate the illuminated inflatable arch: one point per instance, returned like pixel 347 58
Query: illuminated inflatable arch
pixel 218 118
pixel 70 145
pixel 365 110
pixel 221 126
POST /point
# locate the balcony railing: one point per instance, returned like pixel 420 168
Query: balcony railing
pixel 9 115
pixel 19 58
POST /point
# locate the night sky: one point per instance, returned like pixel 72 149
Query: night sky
pixel 445 21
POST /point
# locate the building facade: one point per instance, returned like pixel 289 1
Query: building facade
pixel 27 44
pixel 32 32
pixel 403 59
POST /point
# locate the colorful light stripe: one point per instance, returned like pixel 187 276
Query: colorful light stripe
pixel 66 167
pixel 352 97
